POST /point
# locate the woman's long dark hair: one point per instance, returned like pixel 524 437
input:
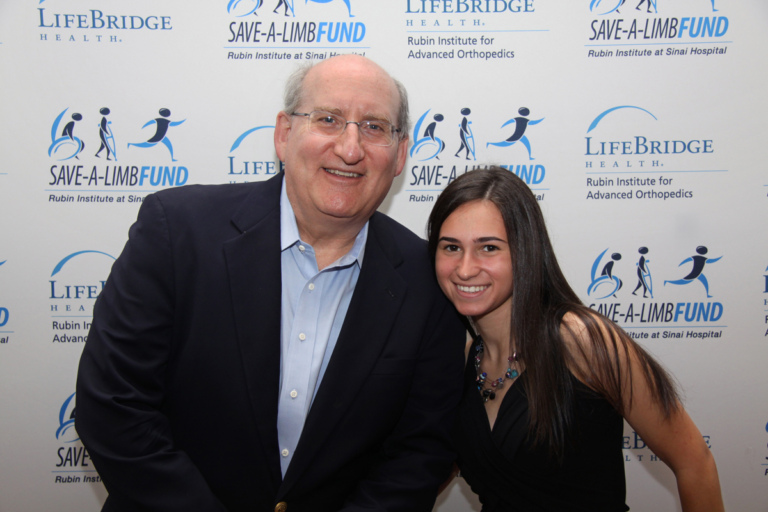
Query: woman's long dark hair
pixel 540 300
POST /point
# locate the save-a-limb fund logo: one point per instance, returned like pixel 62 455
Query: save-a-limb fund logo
pixel 765 301
pixel 765 461
pixel 58 22
pixel 639 29
pixel 446 143
pixel 66 432
pixel 252 155
pixel 90 156
pixel 73 464
pixel 290 30
pixel 5 317
pixel 638 306
pixel 75 283
pixel 625 159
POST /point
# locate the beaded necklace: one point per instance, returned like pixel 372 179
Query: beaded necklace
pixel 495 384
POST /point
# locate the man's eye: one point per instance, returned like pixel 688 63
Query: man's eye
pixel 374 126
pixel 327 120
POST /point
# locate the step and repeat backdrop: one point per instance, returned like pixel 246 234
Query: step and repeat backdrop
pixel 640 127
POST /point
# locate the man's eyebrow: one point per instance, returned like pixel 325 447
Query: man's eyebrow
pixel 370 116
pixel 332 110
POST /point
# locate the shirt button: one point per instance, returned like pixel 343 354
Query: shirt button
pixel 302 336
pixel 294 393
pixel 302 248
pixel 311 286
pixel 285 452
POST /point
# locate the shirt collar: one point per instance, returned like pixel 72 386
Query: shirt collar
pixel 289 233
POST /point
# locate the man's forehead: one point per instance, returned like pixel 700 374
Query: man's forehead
pixel 364 86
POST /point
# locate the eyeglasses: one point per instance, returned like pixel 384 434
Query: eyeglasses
pixel 376 132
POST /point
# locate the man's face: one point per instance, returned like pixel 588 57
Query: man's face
pixel 343 178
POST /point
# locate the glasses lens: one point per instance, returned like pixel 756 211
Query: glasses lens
pixel 325 123
pixel 375 132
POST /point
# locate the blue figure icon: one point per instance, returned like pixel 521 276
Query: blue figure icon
pixel 67 138
pixel 287 4
pixel 466 135
pixel 349 7
pixel 429 145
pixel 697 272
pixel 521 124
pixel 163 123
pixel 66 421
pixel 606 277
pixel 607 6
pixel 105 135
pixel 644 274
pixel 237 6
pixel 651 3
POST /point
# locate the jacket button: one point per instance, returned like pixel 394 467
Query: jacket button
pixel 281 507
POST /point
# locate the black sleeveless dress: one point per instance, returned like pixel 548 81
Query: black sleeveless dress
pixel 510 475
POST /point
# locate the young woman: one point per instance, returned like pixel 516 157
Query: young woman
pixel 548 381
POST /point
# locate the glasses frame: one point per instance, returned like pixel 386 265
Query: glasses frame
pixel 308 115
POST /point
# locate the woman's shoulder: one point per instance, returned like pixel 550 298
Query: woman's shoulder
pixel 584 328
pixel 594 344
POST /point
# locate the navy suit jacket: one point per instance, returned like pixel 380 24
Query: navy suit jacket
pixel 177 389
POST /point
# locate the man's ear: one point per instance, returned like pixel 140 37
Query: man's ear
pixel 282 129
pixel 402 154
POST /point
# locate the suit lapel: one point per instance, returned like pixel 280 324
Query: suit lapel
pixel 375 303
pixel 253 264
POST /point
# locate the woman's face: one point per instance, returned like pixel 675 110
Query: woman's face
pixel 473 260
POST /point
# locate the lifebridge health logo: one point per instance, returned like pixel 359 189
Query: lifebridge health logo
pixel 5 317
pixel 643 30
pixel 625 159
pixel 636 450
pixel 73 464
pixel 469 30
pixel 445 144
pixel 293 30
pixel 91 163
pixel 58 22
pixel 75 283
pixel 252 155
pixel 639 307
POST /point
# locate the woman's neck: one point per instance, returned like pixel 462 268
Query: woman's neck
pixel 495 331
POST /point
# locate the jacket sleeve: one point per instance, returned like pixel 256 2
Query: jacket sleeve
pixel 122 377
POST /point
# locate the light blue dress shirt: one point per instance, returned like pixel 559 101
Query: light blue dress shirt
pixel 314 304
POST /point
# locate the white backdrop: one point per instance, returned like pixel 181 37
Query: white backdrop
pixel 635 129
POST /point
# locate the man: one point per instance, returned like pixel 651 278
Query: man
pixel 278 345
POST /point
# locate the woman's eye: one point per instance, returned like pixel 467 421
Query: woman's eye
pixel 490 248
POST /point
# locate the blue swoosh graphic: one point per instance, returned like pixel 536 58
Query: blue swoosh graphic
pixel 63 262
pixel 601 116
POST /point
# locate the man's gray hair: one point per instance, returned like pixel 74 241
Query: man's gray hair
pixel 294 94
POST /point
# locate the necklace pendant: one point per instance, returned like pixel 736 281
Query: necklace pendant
pixel 496 384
